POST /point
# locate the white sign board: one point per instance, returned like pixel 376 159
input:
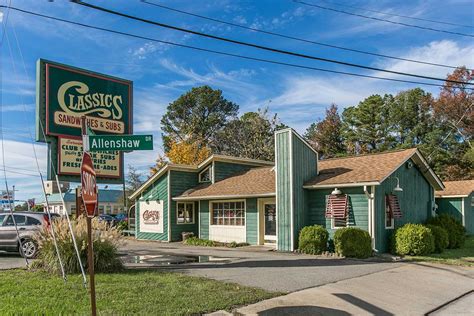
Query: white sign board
pixel 151 216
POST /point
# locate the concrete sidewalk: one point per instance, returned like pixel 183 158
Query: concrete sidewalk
pixel 413 289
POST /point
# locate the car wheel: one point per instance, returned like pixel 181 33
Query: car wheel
pixel 28 249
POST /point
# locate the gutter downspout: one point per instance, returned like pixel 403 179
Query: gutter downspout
pixel 371 212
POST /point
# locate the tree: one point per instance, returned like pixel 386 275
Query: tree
pixel 134 179
pixel 196 117
pixel 325 136
pixel 366 127
pixel 410 117
pixel 187 153
pixel 250 136
pixel 455 103
pixel 22 207
pixel 160 162
pixel 37 208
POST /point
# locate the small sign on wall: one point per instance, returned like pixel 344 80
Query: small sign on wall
pixel 151 216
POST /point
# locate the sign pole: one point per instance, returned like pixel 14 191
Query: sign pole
pixel 90 250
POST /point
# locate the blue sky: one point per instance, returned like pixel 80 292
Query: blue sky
pixel 161 73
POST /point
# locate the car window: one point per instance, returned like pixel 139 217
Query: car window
pixel 32 221
pixel 2 218
pixel 19 219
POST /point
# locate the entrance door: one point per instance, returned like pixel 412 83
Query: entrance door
pixel 270 221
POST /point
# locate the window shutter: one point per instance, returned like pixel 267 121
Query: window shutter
pixel 336 206
pixel 394 206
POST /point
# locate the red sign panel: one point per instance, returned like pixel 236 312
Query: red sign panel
pixel 89 184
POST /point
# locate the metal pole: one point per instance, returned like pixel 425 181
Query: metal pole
pixel 90 260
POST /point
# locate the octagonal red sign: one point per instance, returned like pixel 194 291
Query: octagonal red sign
pixel 89 184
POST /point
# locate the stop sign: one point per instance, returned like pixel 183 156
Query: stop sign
pixel 89 184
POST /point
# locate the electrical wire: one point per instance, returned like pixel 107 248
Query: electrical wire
pixel 381 20
pixel 397 15
pixel 274 50
pixel 225 53
pixel 296 38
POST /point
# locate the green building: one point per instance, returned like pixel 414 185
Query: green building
pixel 244 200
pixel 457 199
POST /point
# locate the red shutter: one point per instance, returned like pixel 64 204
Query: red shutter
pixel 394 206
pixel 336 206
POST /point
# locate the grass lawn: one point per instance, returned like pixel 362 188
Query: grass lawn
pixel 130 292
pixel 461 257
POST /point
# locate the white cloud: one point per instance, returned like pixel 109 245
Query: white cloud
pixel 18 108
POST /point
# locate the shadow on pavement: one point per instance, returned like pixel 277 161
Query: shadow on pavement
pixel 362 304
pixel 302 310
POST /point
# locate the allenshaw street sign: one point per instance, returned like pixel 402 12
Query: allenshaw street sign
pixel 119 142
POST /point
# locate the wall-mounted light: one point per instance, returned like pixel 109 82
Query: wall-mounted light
pixel 336 191
pixel 398 188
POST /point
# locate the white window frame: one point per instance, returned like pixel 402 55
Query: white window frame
pixel 211 210
pixel 209 168
pixel 392 221
pixel 333 222
pixel 194 212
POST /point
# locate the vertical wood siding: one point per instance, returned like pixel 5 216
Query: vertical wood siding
pixel 451 206
pixel 204 219
pixel 251 221
pixel 358 208
pixel 469 214
pixel 181 181
pixel 283 192
pixel 224 170
pixel 157 191
pixel 294 167
pixel 415 202
pixel 304 161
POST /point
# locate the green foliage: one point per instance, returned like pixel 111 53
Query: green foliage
pixel 256 128
pixel 353 242
pixel 325 136
pixel 105 243
pixel 37 208
pixel 195 241
pixel 440 236
pixel 414 239
pixel 313 239
pixel 197 116
pixel 456 232
pixel 122 225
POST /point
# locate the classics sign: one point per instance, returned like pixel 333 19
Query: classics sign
pixel 89 185
pixel 151 216
pixel 67 93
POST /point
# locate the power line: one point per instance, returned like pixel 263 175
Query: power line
pixel 295 38
pixel 382 20
pixel 275 50
pixel 397 15
pixel 224 53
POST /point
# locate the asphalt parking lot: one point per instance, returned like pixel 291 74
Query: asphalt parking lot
pixel 11 261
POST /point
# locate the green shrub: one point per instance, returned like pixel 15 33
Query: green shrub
pixel 105 242
pixel 441 238
pixel 352 242
pixel 313 239
pixel 194 241
pixel 122 225
pixel 414 239
pixel 456 232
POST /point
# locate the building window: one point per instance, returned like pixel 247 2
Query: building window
pixel 108 209
pixel 228 213
pixel 206 175
pixel 392 210
pixel 185 212
pixel 101 209
pixel 337 209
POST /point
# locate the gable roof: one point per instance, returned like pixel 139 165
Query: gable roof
pixel 370 169
pixel 105 196
pixel 461 188
pixel 196 168
pixel 259 181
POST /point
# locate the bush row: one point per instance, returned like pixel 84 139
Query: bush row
pixel 348 241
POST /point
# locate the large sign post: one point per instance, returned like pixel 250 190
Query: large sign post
pixel 89 198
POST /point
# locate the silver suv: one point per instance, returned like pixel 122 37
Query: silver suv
pixel 27 223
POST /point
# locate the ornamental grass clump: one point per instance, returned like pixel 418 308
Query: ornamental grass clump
pixel 313 240
pixel 414 239
pixel 106 240
pixel 352 242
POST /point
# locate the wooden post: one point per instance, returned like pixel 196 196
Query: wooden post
pixel 90 264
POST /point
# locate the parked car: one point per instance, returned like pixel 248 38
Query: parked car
pixel 121 217
pixel 109 219
pixel 27 223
